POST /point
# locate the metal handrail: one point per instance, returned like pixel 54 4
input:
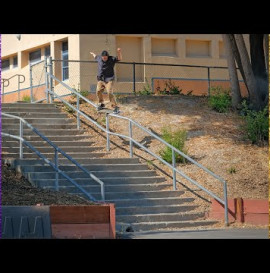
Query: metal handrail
pixel 131 140
pixel 3 82
pixel 19 75
pixel 57 150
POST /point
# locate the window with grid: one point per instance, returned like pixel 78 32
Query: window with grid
pixel 35 56
pixel 5 65
pixel 65 72
pixel 15 61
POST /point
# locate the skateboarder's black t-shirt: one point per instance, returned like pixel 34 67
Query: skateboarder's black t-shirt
pixel 105 69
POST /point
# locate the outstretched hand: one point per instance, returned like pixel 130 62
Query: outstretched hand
pixel 118 49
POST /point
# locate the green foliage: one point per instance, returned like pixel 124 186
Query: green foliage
pixel 256 124
pixel 26 98
pixel 68 109
pixel 219 99
pixel 147 90
pixel 232 170
pixel 84 93
pixel 171 88
pixel 176 139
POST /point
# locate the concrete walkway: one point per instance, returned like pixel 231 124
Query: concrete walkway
pixel 200 234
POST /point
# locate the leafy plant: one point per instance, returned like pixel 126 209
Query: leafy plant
pixel 256 124
pixel 176 139
pixel 219 99
pixel 147 90
pixel 232 170
pixel 171 88
pixel 26 98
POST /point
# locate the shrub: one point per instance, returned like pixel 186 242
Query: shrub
pixel 26 98
pixel 147 90
pixel 171 88
pixel 176 139
pixel 256 124
pixel 219 99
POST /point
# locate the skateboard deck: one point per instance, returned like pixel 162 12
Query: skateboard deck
pixel 107 111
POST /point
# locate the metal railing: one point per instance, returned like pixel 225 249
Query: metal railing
pixel 8 81
pixel 54 165
pixel 49 78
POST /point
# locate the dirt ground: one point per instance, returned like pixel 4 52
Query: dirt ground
pixel 17 191
pixel 215 140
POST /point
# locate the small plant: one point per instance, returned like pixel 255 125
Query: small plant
pixel 26 98
pixel 68 109
pixel 219 99
pixel 176 139
pixel 171 88
pixel 256 124
pixel 232 170
pixel 147 90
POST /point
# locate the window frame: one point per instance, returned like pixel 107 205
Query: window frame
pixel 31 62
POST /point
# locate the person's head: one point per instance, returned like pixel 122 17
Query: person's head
pixel 104 55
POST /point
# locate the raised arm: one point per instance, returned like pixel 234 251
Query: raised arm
pixel 93 54
pixel 119 54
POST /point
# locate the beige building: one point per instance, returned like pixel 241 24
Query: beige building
pixel 21 51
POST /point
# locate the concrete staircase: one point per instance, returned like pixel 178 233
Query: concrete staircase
pixel 143 200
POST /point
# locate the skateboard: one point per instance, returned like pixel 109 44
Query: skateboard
pixel 107 111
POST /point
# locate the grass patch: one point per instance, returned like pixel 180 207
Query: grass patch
pixel 220 99
pixel 147 90
pixel 232 170
pixel 176 139
pixel 26 98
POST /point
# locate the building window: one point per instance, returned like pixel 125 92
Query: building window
pixel 163 47
pixel 35 56
pixel 198 49
pixel 5 65
pixel 65 75
pixel 47 51
pixel 15 61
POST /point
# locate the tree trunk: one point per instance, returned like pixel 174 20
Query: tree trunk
pixel 238 58
pixel 266 52
pixel 258 64
pixel 236 95
pixel 250 78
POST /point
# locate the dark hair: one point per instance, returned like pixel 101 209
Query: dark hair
pixel 104 53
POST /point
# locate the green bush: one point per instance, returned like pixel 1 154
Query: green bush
pixel 256 124
pixel 176 139
pixel 26 98
pixel 147 90
pixel 219 99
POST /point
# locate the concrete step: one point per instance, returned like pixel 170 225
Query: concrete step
pixel 100 174
pixel 51 155
pixel 35 121
pixel 27 114
pixel 92 167
pixel 128 183
pixel 171 225
pixel 46 132
pixel 175 208
pixel 150 201
pixel 34 162
pixel 50 149
pixel 72 138
pixel 28 105
pixel 60 144
pixel 40 126
pixel 161 217
pixel 35 109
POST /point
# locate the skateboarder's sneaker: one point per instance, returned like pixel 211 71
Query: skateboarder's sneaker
pixel 101 106
pixel 116 110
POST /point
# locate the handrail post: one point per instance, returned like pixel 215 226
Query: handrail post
pixel 107 132
pixel 173 169
pixel 134 78
pixel 130 140
pixel 102 192
pixel 19 91
pixel 56 166
pixel 78 115
pixel 31 82
pixel 51 79
pixel 226 204
pixel 21 142
pixel 208 80
pixel 46 79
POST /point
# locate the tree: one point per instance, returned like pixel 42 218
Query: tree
pixel 236 95
pixel 253 69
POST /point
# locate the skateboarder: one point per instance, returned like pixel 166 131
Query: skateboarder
pixel 105 77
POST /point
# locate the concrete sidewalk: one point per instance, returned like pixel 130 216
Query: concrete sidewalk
pixel 200 234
